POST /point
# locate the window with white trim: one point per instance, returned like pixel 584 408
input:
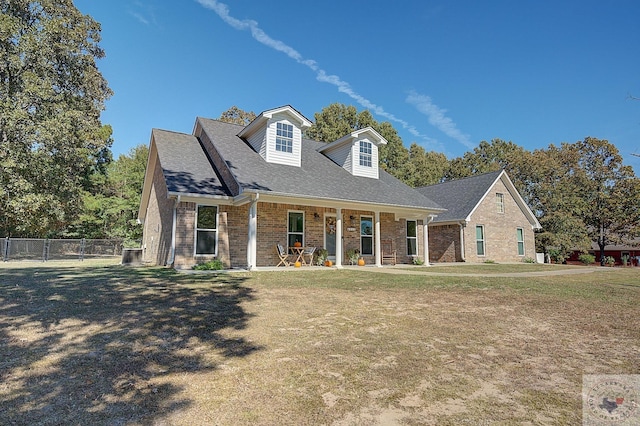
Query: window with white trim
pixel 284 137
pixel 206 230
pixel 295 228
pixel 366 235
pixel 520 239
pixel 480 240
pixel 412 238
pixel 500 202
pixel 366 154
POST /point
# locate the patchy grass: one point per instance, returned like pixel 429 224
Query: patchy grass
pixel 105 344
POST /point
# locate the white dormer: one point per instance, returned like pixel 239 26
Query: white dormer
pixel 277 135
pixel 357 152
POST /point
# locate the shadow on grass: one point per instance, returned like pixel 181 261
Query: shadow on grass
pixel 85 345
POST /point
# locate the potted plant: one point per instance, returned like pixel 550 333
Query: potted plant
pixel 353 255
pixel 609 260
pixel 321 256
pixel 625 259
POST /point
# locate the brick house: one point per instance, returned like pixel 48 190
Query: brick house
pixel 486 219
pixel 233 192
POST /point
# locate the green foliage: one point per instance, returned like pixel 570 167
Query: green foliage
pixel 489 261
pixel 51 96
pixel 587 259
pixel 609 260
pixel 110 210
pixel 211 265
pixel 235 115
pixel 528 260
pixel 353 255
pixel 417 261
pixel 556 255
pixel 321 256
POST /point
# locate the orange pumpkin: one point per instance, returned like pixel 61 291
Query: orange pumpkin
pixel 361 262
pixel 297 264
pixel 328 263
pixel 297 244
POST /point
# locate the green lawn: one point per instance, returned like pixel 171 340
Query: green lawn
pixel 97 343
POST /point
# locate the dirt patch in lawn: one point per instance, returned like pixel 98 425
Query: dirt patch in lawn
pixel 148 346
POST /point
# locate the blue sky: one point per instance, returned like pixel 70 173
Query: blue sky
pixel 446 73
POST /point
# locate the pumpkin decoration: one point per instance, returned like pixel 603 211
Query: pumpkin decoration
pixel 328 263
pixel 297 244
pixel 361 262
pixel 297 264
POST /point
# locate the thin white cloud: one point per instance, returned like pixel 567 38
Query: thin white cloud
pixel 222 10
pixel 437 118
pixel 143 13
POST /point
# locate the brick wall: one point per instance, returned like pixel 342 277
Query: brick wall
pixel 499 229
pixel 444 243
pixel 158 222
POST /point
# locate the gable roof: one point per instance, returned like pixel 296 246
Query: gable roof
pixel 185 166
pixel 376 138
pixel 318 177
pixel 461 197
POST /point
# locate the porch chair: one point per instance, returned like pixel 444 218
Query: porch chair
pixel 283 255
pixel 308 252
pixel 388 253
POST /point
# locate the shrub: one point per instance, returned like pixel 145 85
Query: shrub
pixel 587 258
pixel 211 265
pixel 609 260
pixel 418 261
pixel 529 260
pixel 556 255
pixel 489 261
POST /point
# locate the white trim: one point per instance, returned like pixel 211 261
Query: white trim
pixel 524 247
pixel 195 232
pixel 484 240
pixel 376 238
pixel 406 232
pixel 373 235
pixel 296 233
pixel 339 247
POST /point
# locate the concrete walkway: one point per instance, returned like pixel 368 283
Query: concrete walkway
pixel 428 271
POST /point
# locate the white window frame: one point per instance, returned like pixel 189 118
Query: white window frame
pixel 520 243
pixel 196 230
pixel 414 238
pixel 289 232
pixel 500 202
pixel 366 154
pixel 372 236
pixel 483 241
pixel 284 137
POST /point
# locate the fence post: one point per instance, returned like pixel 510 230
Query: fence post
pixel 45 250
pixel 82 242
pixel 6 249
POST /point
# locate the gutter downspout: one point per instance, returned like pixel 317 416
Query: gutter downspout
pixel 462 251
pixel 252 233
pixel 172 258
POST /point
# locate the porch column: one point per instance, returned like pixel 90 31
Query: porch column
pixel 338 238
pixel 425 237
pixel 462 251
pixel 253 231
pixel 376 234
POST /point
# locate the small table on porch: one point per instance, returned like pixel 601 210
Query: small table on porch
pixel 298 252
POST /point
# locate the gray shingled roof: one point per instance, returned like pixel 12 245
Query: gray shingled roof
pixel 459 196
pixel 318 177
pixel 185 166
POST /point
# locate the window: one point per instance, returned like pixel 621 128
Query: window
pixel 500 202
pixel 412 238
pixel 366 235
pixel 480 240
pixel 295 228
pixel 206 230
pixel 284 137
pixel 520 238
pixel 365 153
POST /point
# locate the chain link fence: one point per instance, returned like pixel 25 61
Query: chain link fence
pixel 58 249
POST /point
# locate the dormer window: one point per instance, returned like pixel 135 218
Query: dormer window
pixel 284 137
pixel 365 154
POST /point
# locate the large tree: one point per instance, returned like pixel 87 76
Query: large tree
pixel 236 115
pixel 110 207
pixel 51 97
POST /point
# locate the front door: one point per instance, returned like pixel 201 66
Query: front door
pixel 330 236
